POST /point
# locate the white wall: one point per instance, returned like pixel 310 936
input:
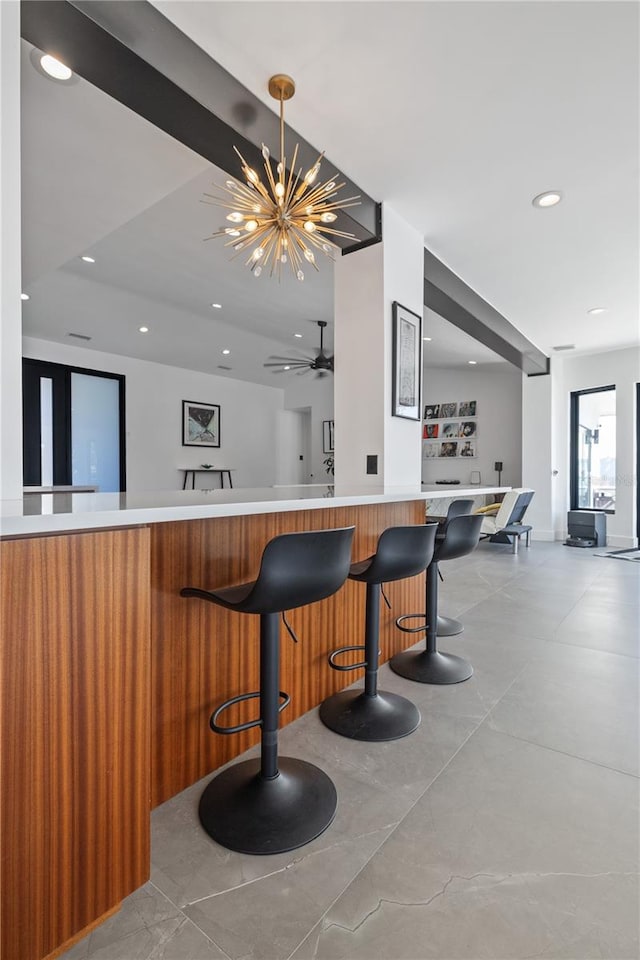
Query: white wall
pixel 314 393
pixel 366 284
pixel 498 393
pixel 154 395
pixel 538 446
pixel 622 368
pixel 10 269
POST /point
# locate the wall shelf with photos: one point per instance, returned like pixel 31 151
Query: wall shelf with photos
pixel 450 430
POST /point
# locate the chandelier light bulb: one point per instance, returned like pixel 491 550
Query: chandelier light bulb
pixel 257 271
pixel 286 215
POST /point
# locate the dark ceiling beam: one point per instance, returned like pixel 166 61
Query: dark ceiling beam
pixel 449 296
pixel 138 57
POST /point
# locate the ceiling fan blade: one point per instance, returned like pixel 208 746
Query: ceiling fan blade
pixel 288 363
pixel 302 372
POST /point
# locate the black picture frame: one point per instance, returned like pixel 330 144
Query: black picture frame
pixel 200 420
pixel 327 436
pixel 407 363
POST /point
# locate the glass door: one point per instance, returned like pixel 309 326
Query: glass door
pixel 73 427
pixel 593 449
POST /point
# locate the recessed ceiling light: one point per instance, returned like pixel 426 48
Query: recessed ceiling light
pixel 596 310
pixel 88 259
pixel 298 335
pixel 287 368
pixel 426 338
pixel 143 329
pixel 226 352
pixel 55 69
pixel 472 362
pixel 547 199
pixel 24 296
pixel 217 306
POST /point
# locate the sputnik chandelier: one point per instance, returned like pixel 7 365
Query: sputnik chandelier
pixel 286 219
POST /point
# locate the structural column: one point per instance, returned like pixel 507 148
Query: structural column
pixel 10 307
pixel 366 284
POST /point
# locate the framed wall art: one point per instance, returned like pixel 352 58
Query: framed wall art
pixel 327 436
pixel 407 363
pixel 200 424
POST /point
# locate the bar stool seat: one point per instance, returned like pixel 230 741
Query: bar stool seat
pixel 372 714
pixel 430 665
pixel 274 804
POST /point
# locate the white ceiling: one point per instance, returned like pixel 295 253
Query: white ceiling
pixel 514 98
pixel 98 180
pixel 449 347
pixel 458 114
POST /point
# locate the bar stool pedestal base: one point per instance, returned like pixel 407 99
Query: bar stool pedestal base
pixel 243 811
pixel 431 666
pixel 385 716
pixel 448 627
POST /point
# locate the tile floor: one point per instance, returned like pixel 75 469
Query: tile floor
pixel 505 827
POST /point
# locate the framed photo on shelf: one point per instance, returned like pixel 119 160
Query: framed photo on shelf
pixel 327 436
pixel 407 362
pixel 200 424
pixel 467 448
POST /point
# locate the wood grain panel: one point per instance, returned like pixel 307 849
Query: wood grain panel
pixel 203 654
pixel 75 684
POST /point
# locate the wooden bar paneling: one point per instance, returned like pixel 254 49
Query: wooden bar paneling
pixel 202 654
pixel 74 733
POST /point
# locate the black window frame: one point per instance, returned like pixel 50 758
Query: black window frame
pixel 573 447
pixel 60 374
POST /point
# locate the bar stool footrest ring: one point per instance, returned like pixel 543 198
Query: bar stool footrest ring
pixel 422 626
pixel 348 666
pixel 213 720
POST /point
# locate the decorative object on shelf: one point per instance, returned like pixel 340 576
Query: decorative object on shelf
pixel 329 464
pixel 498 468
pixel 200 425
pixel 206 466
pixel 321 362
pixel 327 436
pixel 407 362
pixel 286 219
pixel 475 477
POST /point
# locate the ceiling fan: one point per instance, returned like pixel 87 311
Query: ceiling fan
pixel 321 363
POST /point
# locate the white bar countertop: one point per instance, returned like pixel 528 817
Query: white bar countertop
pixel 66 512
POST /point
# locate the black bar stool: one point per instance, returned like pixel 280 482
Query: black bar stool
pixel 372 714
pixel 429 665
pixel 447 626
pixel 273 804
